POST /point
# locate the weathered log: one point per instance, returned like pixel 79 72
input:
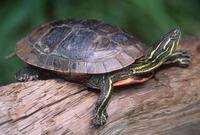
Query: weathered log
pixel 169 104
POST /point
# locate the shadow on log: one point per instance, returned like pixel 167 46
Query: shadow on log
pixel 167 106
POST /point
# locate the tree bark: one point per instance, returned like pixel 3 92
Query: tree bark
pixel 167 105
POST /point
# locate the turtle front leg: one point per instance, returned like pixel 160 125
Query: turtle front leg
pixel 27 74
pixel 100 115
pixel 179 58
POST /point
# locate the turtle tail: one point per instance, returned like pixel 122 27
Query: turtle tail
pixel 10 55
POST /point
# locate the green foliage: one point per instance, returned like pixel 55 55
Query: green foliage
pixel 147 19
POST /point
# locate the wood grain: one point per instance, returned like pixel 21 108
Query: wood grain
pixel 168 105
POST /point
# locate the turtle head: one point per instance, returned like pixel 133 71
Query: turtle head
pixel 173 34
pixel 165 46
pixel 170 40
pixel 158 54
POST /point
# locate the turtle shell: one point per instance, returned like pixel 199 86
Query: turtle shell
pixel 79 46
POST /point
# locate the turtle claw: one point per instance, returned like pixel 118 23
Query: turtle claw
pixel 184 59
pixel 181 51
pixel 184 54
pixel 99 120
pixel 184 62
pixel 26 74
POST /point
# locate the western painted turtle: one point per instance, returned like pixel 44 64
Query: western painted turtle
pixel 97 54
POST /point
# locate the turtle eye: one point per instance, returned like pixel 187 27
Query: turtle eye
pixel 175 33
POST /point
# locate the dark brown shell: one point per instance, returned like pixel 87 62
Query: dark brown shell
pixel 79 46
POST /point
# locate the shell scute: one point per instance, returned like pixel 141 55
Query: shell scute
pixel 55 36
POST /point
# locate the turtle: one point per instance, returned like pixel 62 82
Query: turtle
pixel 96 54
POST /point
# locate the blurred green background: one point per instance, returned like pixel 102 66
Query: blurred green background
pixel 146 19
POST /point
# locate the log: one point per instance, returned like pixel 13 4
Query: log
pixel 167 105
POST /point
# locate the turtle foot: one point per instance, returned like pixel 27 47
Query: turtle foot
pixel 26 74
pixel 180 58
pixel 183 58
pixel 99 120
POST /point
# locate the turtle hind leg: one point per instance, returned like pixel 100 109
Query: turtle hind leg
pixel 27 74
pixel 179 58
